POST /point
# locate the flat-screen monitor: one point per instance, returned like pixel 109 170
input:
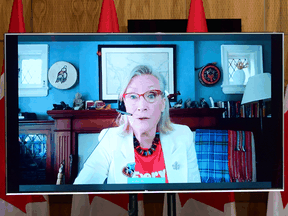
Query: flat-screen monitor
pixel 62 90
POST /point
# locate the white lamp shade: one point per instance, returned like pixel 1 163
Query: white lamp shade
pixel 257 88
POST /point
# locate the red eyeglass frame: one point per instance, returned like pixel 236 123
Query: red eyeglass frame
pixel 158 93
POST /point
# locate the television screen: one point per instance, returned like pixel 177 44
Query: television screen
pixel 130 113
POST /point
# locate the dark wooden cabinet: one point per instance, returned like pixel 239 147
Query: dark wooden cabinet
pixel 45 128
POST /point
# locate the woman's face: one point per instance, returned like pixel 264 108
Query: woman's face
pixel 146 115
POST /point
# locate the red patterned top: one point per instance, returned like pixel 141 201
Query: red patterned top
pixel 152 166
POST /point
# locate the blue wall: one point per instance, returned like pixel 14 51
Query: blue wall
pixel 189 54
pixel 210 51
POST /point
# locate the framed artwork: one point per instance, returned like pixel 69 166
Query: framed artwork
pixel 239 62
pixel 117 61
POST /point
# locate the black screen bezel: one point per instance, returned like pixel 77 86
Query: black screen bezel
pixel 11 120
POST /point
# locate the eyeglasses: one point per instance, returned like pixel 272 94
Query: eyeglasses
pixel 150 96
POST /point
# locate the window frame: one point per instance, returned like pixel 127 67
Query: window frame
pixel 255 58
pixel 34 90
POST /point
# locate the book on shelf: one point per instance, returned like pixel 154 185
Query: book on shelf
pixel 234 109
pixel 237 109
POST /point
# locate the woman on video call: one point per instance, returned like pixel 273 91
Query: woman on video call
pixel 146 144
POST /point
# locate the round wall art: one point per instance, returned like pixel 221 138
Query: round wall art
pixel 209 74
pixel 62 75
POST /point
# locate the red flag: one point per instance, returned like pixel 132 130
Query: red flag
pixel 213 204
pixel 104 204
pixel 196 19
pixel 108 21
pixel 277 201
pixel 284 194
pixel 16 26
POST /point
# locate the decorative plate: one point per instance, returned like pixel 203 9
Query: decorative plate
pixel 62 75
pixel 209 75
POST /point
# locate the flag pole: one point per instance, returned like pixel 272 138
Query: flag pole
pixel 171 204
pixel 133 205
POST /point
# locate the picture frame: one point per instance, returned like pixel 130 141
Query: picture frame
pixel 88 104
pixel 117 61
pixel 247 54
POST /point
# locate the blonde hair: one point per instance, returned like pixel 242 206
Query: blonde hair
pixel 164 124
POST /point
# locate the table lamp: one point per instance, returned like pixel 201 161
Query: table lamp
pixel 258 88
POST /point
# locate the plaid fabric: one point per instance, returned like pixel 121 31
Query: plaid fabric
pixel 212 154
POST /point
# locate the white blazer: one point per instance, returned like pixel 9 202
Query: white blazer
pixel 115 151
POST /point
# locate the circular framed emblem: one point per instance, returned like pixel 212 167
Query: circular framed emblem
pixel 62 75
pixel 209 75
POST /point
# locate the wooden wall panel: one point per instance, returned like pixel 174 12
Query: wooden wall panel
pixel 27 12
pixel 5 14
pixel 172 9
pixel 130 9
pixel 66 15
pixel 284 16
pixel 272 15
pixel 284 28
pixel 251 13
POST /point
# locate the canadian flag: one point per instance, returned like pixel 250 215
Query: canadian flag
pixel 210 204
pixel 16 204
pixel 196 19
pixel 108 21
pixel 277 201
pixel 103 204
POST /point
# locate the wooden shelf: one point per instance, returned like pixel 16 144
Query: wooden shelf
pixel 193 112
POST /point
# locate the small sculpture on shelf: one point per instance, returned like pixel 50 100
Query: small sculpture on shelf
pixel 195 104
pixel 171 96
pixel 203 103
pixel 65 106
pixel 187 103
pixel 78 103
pixel 61 174
pixel 191 104
pixel 57 107
pixel 61 106
pixel 178 104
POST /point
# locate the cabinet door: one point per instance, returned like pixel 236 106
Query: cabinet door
pixel 36 153
pixel 35 157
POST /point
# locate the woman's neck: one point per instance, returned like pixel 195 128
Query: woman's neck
pixel 145 138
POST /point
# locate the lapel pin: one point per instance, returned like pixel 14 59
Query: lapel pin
pixel 129 169
pixel 176 166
